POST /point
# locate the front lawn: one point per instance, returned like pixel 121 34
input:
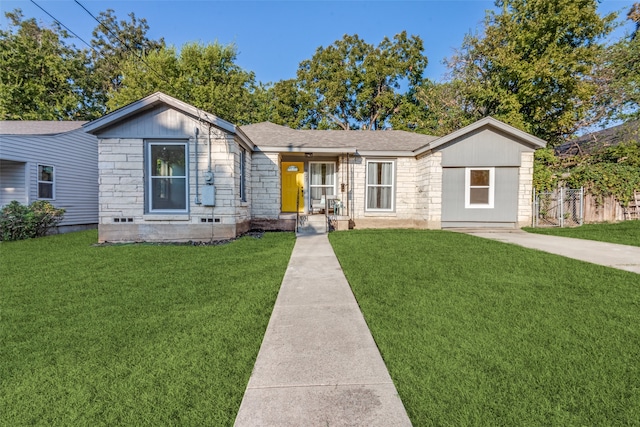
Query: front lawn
pixel 624 233
pixel 477 332
pixel 136 335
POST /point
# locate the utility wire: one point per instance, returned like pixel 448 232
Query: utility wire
pixel 129 48
pixel 62 25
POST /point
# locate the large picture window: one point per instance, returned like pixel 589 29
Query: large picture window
pixel 479 187
pixel 45 182
pixel 380 179
pixel 167 177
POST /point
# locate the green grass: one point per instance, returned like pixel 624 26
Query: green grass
pixel 624 233
pixel 477 332
pixel 142 335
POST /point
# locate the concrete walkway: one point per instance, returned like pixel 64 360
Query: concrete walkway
pixel 622 257
pixel 318 364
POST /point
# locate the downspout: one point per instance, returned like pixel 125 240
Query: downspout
pixel 195 138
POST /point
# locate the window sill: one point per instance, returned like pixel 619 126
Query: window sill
pixel 166 217
pixel 380 213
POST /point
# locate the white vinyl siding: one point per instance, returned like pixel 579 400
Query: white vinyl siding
pixel 380 185
pixel 46 182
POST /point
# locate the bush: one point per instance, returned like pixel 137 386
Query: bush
pixel 18 222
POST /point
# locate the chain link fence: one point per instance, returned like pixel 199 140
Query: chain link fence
pixel 563 207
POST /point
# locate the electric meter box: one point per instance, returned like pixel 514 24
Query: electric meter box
pixel 209 195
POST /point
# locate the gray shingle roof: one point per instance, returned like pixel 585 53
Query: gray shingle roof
pixel 595 141
pixel 38 127
pixel 271 135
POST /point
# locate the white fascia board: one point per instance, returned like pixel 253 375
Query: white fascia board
pixel 370 153
pixel 151 101
pixel 242 137
pixel 534 141
pixel 281 149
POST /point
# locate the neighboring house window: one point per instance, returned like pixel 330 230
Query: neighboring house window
pixel 322 180
pixel 167 189
pixel 45 182
pixel 380 180
pixel 479 187
pixel 243 175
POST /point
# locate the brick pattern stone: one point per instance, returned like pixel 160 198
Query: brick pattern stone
pixel 525 190
pixel 265 185
pixel 429 189
pixel 122 189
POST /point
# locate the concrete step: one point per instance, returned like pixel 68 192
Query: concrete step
pixel 312 224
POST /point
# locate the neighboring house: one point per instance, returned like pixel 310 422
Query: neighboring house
pixel 172 172
pixel 593 142
pixel 55 161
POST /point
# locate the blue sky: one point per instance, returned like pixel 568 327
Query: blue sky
pixel 273 37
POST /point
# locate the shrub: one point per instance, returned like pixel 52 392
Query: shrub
pixel 18 222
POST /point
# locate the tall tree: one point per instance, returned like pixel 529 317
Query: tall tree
pixel 286 104
pixel 41 76
pixel 205 76
pixel 354 84
pixel 114 41
pixel 529 66
pixel 434 109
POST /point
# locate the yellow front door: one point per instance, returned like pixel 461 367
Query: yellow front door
pixel 292 186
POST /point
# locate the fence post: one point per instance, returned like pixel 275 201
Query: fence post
pixel 581 205
pixel 561 206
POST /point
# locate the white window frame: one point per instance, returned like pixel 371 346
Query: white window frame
pixel 52 182
pixel 468 187
pixel 335 178
pixel 392 186
pixel 148 188
pixel 243 174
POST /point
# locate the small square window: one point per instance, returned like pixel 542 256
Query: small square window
pixel 479 188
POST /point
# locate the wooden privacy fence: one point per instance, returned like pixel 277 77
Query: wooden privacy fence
pixel 579 207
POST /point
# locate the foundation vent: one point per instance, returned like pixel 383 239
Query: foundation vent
pixel 122 219
pixel 208 219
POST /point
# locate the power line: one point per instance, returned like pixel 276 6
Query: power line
pixel 62 25
pixel 136 53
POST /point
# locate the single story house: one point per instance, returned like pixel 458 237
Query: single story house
pixel 169 171
pixel 55 161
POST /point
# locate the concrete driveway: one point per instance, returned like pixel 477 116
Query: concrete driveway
pixel 609 254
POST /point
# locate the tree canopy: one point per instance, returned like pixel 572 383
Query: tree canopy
pixel 354 84
pixel 41 76
pixel 531 66
pixel 205 76
pixel 544 67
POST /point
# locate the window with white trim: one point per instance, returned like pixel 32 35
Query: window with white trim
pixel 322 180
pixel 166 187
pixel 479 188
pixel 243 175
pixel 46 182
pixel 380 185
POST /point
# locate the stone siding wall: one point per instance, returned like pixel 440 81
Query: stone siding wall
pixel 122 193
pixel 265 185
pixel 525 190
pixel 429 189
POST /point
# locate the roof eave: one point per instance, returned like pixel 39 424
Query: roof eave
pixel 533 141
pixel 151 101
pixel 289 149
